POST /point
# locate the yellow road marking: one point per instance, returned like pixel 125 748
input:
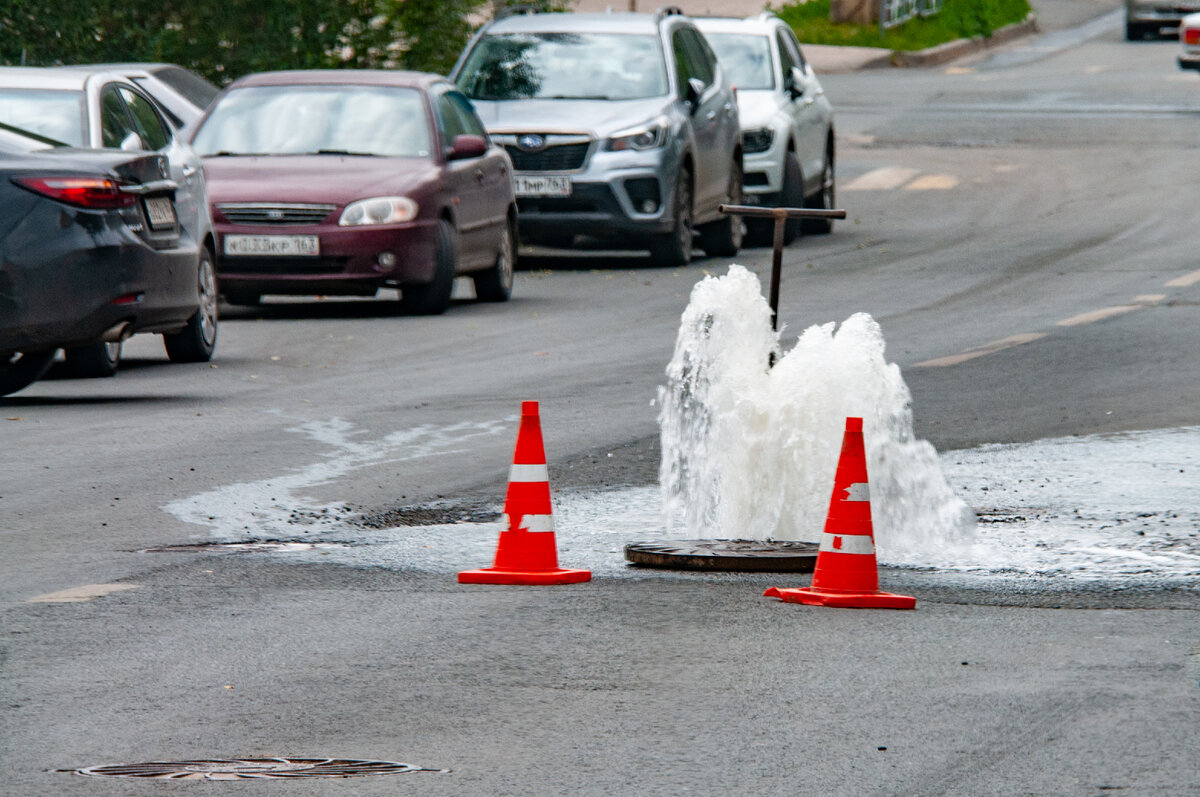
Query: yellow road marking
pixel 1103 313
pixel 1186 281
pixel 979 351
pixel 84 593
pixel 881 179
pixel 934 182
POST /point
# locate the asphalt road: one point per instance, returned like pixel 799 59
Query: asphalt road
pixel 1024 232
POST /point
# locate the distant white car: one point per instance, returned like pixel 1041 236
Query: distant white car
pixel 786 119
pixel 1189 40
pixel 181 93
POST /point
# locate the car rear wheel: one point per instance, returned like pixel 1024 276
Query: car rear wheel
pixel 95 361
pixel 196 341
pixel 495 284
pixel 823 199
pixel 675 248
pixel 724 238
pixel 432 298
pixel 21 369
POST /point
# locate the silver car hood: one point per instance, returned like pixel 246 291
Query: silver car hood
pixel 598 118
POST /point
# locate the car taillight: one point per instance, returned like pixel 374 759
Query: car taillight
pixel 1191 36
pixel 97 193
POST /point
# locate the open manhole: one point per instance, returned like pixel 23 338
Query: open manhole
pixel 251 768
pixel 747 556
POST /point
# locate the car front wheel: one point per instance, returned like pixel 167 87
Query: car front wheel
pixel 433 298
pixel 196 341
pixel 675 247
pixel 21 369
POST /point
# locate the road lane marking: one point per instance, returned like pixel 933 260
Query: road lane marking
pixel 79 594
pixel 933 182
pixel 980 351
pixel 1186 281
pixel 881 179
pixel 1092 316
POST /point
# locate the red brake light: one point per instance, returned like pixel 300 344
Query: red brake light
pixel 1191 36
pixel 96 193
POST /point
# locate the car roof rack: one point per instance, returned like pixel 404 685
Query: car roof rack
pixel 517 10
pixel 668 11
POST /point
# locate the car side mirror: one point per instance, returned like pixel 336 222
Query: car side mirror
pixel 132 143
pixel 467 146
pixel 695 90
pixel 793 83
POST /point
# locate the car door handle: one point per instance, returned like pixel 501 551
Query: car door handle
pixel 189 170
pixel 711 115
pixel 479 176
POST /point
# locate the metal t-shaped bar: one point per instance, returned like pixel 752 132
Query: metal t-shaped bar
pixel 781 215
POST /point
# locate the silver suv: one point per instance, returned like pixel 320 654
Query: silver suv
pixel 620 126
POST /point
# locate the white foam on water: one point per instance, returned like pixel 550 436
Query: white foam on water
pixel 749 451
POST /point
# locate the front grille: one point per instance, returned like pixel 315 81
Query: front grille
pixel 555 205
pixel 265 213
pixel 554 158
pixel 754 179
pixel 334 266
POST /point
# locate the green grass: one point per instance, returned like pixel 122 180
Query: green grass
pixel 958 19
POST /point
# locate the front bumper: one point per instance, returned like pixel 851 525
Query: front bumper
pixel 352 260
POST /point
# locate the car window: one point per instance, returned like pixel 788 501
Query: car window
pixel 605 66
pixel 146 85
pixel 55 114
pixel 691 58
pixel 703 58
pixel 468 120
pixel 449 119
pixel 115 124
pixel 793 45
pixel 746 59
pixel 294 120
pixel 194 88
pixel 789 53
pixel 150 126
pixel 15 141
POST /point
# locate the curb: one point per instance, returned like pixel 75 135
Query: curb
pixel 949 51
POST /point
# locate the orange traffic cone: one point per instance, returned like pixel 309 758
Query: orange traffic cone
pixel 846 574
pixel 526 553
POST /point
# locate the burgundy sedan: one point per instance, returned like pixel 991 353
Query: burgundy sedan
pixel 340 182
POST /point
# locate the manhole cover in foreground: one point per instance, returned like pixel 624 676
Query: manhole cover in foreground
pixel 247 768
pixel 750 556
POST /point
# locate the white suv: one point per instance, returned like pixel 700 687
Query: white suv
pixel 787 121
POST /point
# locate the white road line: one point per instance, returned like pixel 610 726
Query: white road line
pixel 1103 313
pixel 979 351
pixel 882 179
pixel 79 594
pixel 1186 281
pixel 933 182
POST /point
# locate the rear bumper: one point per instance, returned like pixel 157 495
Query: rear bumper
pixel 1189 61
pixel 70 288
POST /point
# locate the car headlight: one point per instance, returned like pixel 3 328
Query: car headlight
pixel 757 140
pixel 643 137
pixel 378 210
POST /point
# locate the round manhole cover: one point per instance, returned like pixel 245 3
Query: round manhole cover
pixel 751 556
pixel 250 768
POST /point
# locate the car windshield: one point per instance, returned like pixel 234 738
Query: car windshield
pixel 746 59
pixel 299 120
pixel 565 66
pixel 55 114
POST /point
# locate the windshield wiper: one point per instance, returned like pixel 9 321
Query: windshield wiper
pixel 345 152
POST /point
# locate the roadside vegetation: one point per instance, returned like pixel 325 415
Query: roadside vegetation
pixel 958 19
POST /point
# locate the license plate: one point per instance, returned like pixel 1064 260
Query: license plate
pixel 542 186
pixel 160 211
pixel 273 245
